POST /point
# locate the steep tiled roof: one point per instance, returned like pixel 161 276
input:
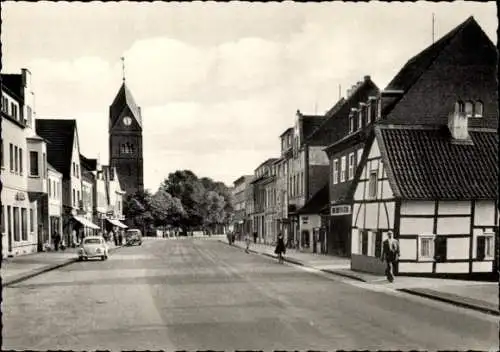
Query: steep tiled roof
pixel 60 135
pixel 88 164
pixel 425 163
pixel 317 202
pixel 418 64
pixel 310 123
pixel 124 98
pixel 13 82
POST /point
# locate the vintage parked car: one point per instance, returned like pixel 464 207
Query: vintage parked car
pixel 93 247
pixel 133 237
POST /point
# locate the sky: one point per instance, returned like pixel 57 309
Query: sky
pixel 217 82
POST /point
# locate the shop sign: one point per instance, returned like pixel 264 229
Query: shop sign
pixel 337 210
pixel 20 196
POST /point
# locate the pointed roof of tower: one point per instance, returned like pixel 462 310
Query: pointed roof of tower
pixel 122 99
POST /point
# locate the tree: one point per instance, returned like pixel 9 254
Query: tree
pixel 166 210
pixel 137 209
pixel 212 210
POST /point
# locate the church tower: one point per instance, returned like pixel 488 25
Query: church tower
pixel 125 141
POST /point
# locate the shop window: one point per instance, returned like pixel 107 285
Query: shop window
pixel 15 210
pixel 24 224
pixel 485 247
pixel 32 221
pixel 440 248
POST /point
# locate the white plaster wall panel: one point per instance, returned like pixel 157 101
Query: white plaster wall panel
pixel 355 208
pixel 355 241
pixel 482 267
pixel 374 150
pixel 13 134
pixel 417 207
pixel 374 165
pixel 454 207
pixel 381 169
pixel 452 267
pixel 415 226
pixel 383 222
pixel 379 190
pixel 457 248
pixel 453 226
pixel 371 215
pixel 484 213
pixel 386 190
pixel 408 248
pixel 391 210
pixel 415 267
pixel 360 154
pixel 360 223
pixel 358 194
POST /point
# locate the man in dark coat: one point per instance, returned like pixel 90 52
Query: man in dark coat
pixel 390 254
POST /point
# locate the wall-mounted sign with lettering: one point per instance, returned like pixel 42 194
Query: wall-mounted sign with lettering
pixel 337 210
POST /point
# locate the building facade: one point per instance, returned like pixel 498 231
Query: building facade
pixel 53 205
pixel 240 196
pixel 23 163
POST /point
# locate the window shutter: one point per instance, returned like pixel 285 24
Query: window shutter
pixel 481 247
pixel 378 244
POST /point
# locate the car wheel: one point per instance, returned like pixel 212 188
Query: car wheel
pixel 103 257
pixel 80 259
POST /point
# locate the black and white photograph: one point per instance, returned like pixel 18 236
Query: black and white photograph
pixel 240 176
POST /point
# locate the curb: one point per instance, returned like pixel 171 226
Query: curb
pixel 50 267
pixel 451 301
pixel 349 276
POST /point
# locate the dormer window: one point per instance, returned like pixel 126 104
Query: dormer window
pixel 468 108
pixel 360 115
pixel 459 106
pixel 478 109
pixel 369 113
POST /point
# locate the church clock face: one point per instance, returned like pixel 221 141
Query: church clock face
pixel 127 121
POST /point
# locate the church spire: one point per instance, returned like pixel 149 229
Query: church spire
pixel 123 68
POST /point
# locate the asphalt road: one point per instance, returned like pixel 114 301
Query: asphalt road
pixel 203 294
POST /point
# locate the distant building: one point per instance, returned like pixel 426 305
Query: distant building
pixel 239 191
pixel 125 141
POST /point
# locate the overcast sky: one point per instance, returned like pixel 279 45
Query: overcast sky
pixel 217 82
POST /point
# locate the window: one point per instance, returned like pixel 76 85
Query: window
pixel 50 188
pixel 342 168
pixel 426 247
pixel 351 123
pixel 363 242
pixel 9 222
pixel 459 106
pixel 379 109
pixel 34 163
pixel 78 196
pixel 351 166
pixel 74 198
pixel 77 171
pixel 372 184
pixel 44 166
pixel 369 112
pixel 24 224
pixel 468 108
pixel 1 154
pixel 15 210
pixel 21 161
pixel 11 157
pixel 335 171
pixel 16 159
pixel 2 220
pixel 5 105
pixel 485 247
pixel 13 110
pixel 478 109
pixel 440 248
pixel 32 221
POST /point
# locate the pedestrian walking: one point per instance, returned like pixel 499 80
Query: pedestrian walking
pixel 57 240
pixel 390 254
pixel 255 237
pixel 247 241
pixel 280 248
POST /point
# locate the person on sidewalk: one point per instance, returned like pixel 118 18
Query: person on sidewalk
pixel 390 254
pixel 57 240
pixel 280 248
pixel 255 237
pixel 247 241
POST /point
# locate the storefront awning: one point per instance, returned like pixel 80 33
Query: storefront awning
pixel 86 222
pixel 117 223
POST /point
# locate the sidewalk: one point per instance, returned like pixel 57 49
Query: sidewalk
pixel 477 295
pixel 23 267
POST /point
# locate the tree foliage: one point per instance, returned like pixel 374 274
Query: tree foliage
pixel 182 201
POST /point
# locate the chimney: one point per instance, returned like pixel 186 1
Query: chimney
pixel 367 78
pixel 458 124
